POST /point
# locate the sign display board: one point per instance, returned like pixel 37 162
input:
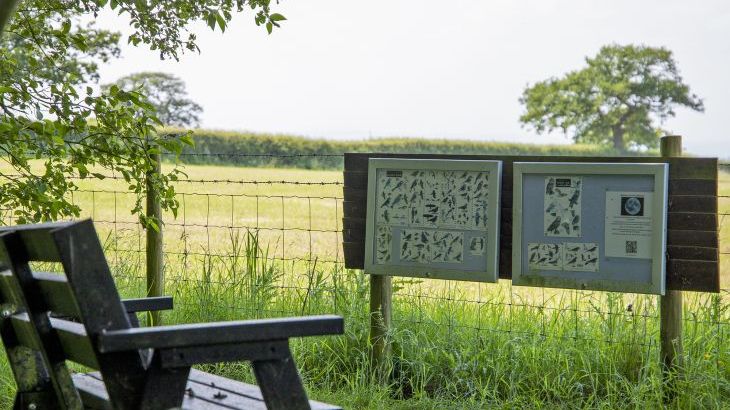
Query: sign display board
pixel 433 218
pixel 598 226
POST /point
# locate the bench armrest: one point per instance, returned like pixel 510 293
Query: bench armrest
pixel 148 304
pixel 209 334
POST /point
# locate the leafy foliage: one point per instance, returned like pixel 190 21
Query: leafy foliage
pixel 167 95
pixel 614 100
pixel 50 113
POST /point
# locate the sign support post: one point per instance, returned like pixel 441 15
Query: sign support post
pixel 155 272
pixel 670 310
pixel 381 307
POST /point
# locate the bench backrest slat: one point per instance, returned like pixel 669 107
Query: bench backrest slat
pixel 40 336
pixel 43 303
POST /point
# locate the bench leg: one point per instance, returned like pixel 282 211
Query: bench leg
pixel 165 388
pixel 280 383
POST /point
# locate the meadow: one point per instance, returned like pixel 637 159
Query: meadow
pixel 265 242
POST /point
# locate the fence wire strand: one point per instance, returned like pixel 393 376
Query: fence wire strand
pixel 279 242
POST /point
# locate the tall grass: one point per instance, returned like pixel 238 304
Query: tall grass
pixel 502 349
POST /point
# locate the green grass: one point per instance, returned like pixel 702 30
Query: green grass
pixel 456 345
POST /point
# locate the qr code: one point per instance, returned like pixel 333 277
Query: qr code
pixel 631 247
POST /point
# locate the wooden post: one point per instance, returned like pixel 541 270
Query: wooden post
pixel 670 309
pixel 381 307
pixel 155 273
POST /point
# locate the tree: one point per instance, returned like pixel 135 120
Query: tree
pixel 167 95
pixel 54 128
pixel 615 100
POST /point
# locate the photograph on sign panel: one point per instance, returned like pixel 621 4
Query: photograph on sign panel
pixel 562 206
pixel 477 245
pixel 545 256
pixel 581 257
pixel 384 241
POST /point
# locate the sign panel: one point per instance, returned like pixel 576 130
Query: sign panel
pixel 433 218
pixel 597 226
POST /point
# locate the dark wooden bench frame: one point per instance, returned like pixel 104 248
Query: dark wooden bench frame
pixel 47 319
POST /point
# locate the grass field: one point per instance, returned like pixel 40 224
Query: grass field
pixel 245 250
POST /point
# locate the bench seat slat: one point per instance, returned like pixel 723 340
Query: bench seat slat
pixel 208 392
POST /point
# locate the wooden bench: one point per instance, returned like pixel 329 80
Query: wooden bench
pixel 48 319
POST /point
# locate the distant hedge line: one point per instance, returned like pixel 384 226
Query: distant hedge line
pixel 249 149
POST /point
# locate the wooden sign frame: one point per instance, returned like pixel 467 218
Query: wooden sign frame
pixel 692 222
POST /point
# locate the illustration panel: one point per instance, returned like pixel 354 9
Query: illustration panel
pixel 581 257
pixel 433 218
pixel 384 244
pixel 562 202
pixel 545 256
pixel 448 247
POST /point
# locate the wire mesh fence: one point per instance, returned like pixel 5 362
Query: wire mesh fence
pixel 264 242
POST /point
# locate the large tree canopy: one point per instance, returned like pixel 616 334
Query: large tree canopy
pixel 166 93
pixel 55 128
pixel 615 100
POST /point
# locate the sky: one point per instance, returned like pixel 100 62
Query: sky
pixel 344 69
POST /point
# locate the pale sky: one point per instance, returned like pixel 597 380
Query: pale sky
pixel 441 69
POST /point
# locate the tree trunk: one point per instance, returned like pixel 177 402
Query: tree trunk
pixel 7 8
pixel 618 138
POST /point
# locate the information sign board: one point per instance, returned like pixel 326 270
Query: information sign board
pixel 433 218
pixel 599 226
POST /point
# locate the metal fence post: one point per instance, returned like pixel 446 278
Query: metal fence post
pixel 155 273
pixel 380 320
pixel 670 310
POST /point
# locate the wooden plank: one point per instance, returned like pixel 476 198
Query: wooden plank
pixel 56 294
pixel 218 333
pixel 92 390
pixel 679 167
pixel 37 239
pixel 703 239
pixel 101 308
pixel 219 353
pixel 149 303
pixel 228 385
pixel 693 203
pixel 280 384
pixel 15 252
pixel 693 253
pixel 698 276
pixel 71 336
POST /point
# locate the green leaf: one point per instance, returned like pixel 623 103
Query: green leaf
pixel 221 21
pixel 269 27
pixel 187 140
pixel 277 17
pixel 5 89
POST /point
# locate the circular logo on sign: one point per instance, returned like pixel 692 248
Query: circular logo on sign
pixel 632 206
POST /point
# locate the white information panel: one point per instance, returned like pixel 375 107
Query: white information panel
pixel 597 226
pixel 433 218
